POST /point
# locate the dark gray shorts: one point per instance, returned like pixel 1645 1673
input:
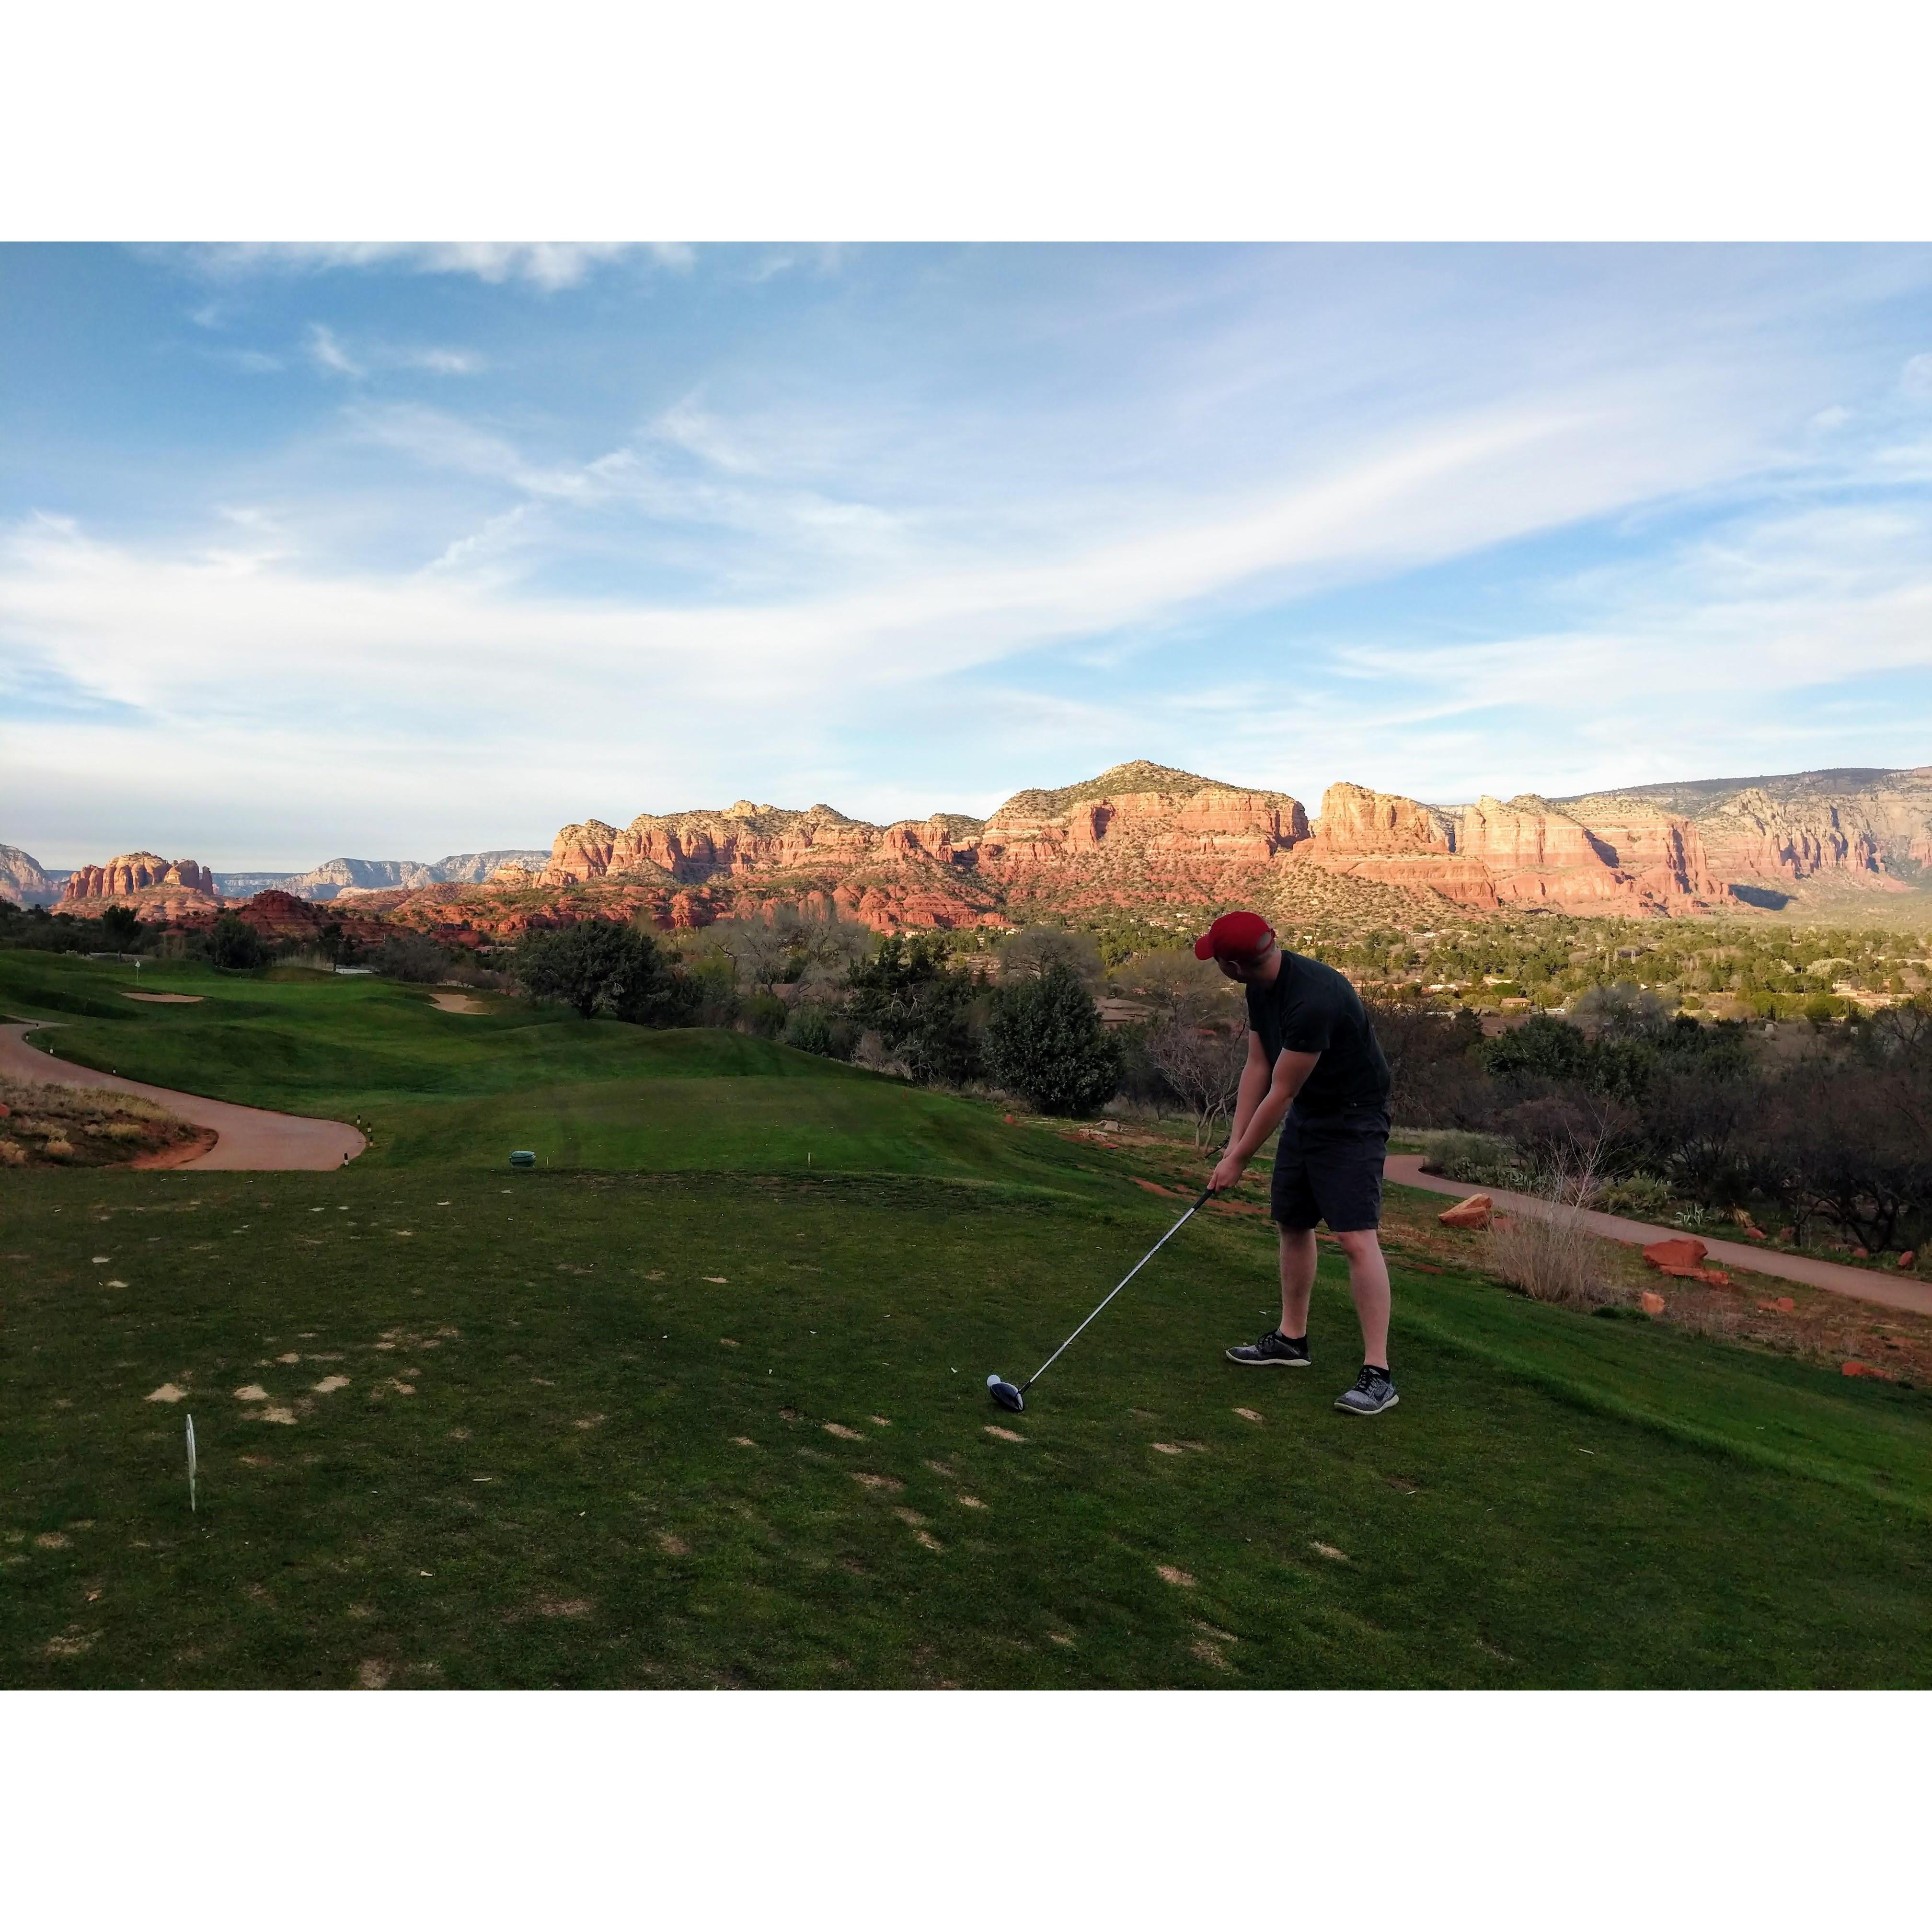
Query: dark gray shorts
pixel 1329 1169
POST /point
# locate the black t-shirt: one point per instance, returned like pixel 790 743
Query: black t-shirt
pixel 1311 1008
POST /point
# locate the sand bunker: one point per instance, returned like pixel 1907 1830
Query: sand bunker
pixel 165 999
pixel 457 1002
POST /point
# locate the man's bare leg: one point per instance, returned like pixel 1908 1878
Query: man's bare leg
pixel 1297 1279
pixel 1368 1281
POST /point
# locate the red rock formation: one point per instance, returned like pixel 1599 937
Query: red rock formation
pixel 23 881
pixel 1137 835
pixel 1754 837
pixel 1525 852
pixel 280 915
pixel 1870 831
pixel 1477 1211
pixel 134 874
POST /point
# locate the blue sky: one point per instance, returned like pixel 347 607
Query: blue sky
pixel 395 551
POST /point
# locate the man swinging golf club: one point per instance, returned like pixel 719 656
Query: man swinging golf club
pixel 1316 1070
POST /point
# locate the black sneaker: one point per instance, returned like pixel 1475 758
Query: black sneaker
pixel 1273 1351
pixel 1373 1393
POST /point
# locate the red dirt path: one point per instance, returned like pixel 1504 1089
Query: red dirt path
pixel 248 1138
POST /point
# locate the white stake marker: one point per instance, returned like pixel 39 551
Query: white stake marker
pixel 191 1503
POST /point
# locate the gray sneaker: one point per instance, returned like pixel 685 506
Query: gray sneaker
pixel 1373 1393
pixel 1273 1351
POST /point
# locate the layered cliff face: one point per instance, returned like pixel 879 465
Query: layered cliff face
pixel 23 881
pixel 1803 833
pixel 1147 841
pixel 143 880
pixel 1523 852
pixel 1137 836
pixel 1755 837
pixel 692 847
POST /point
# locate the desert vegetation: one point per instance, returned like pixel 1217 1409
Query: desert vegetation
pixel 1821 1133
pixel 53 1124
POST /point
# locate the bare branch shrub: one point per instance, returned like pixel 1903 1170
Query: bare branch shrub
pixel 1032 953
pixel 1203 1066
pixel 1547 1251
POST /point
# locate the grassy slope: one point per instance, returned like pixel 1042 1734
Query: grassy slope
pixel 1737 1519
pixel 462 1090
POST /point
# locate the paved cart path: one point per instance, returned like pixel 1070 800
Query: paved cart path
pixel 1861 1284
pixel 247 1137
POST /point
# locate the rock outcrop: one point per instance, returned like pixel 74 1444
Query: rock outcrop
pixel 1137 837
pixel 23 881
pixel 1801 834
pixel 154 886
pixel 1523 852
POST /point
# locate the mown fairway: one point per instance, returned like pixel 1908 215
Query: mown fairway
pixel 728 1425
pixel 454 1090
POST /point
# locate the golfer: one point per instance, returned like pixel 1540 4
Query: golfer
pixel 1316 1070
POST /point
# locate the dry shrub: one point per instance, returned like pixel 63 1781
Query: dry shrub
pixel 1551 1257
pixel 1549 1252
pixel 52 1122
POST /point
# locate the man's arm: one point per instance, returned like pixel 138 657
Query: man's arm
pixel 1254 1085
pixel 1291 1070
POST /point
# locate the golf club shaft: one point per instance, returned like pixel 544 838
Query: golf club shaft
pixel 1206 1194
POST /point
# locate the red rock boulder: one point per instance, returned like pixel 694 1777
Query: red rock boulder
pixel 1477 1211
pixel 1682 1255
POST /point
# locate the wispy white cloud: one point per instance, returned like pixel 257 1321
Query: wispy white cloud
pixel 547 265
pixel 326 352
pixel 967 520
pixel 437 362
pixel 250 362
pixel 329 351
pixel 451 659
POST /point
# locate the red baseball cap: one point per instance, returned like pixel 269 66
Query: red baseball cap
pixel 1235 935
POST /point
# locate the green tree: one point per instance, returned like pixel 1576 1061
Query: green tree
pixel 120 926
pixel 1046 1043
pixel 1543 1046
pixel 599 966
pixel 235 945
pixel 925 1011
pixel 337 946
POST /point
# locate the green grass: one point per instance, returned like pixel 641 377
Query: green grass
pixel 461 1090
pixel 1558 1500
pixel 561 1497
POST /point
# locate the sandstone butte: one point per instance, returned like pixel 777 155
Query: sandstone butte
pixel 144 881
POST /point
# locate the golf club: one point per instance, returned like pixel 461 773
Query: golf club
pixel 1003 1392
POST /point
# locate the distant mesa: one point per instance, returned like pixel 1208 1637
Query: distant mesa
pixel 334 878
pixel 25 881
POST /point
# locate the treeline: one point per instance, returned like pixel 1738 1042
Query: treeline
pixel 1772 970
pixel 903 1005
pixel 1823 1129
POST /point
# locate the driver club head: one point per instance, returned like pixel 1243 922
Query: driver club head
pixel 1005 1394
